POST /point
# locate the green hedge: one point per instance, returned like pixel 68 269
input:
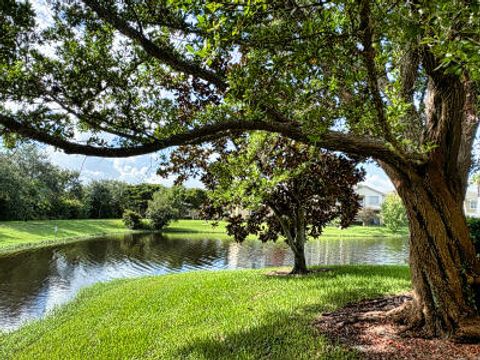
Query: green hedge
pixel 474 226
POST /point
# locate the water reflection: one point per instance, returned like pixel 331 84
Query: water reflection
pixel 35 281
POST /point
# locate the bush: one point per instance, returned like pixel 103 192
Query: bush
pixel 162 209
pixel 132 219
pixel 72 209
pixel 393 213
pixel 474 227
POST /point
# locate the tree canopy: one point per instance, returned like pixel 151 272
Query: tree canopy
pixel 346 75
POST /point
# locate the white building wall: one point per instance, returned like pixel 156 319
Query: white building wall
pixel 371 198
pixel 472 204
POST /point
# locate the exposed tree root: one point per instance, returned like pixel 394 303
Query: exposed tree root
pixel 468 331
pixel 408 315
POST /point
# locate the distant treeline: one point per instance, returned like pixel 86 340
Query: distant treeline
pixel 32 188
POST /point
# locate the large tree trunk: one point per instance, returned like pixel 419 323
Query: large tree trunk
pixel 443 262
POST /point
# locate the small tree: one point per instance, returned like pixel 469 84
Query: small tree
pixel 367 216
pixel 294 191
pixel 393 213
pixel 163 208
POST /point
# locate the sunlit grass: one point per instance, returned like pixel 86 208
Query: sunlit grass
pixel 203 315
pixel 22 232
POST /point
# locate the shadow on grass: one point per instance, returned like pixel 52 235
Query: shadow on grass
pixel 334 271
pixel 292 335
pixel 281 336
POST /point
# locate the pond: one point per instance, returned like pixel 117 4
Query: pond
pixel 33 282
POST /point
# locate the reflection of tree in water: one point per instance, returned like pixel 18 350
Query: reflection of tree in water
pixel 253 254
pixel 176 253
pixel 357 251
pixel 150 248
pixel 22 277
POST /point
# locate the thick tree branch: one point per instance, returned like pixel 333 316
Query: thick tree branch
pixel 446 106
pixel 469 131
pixel 368 53
pixel 95 125
pixel 331 140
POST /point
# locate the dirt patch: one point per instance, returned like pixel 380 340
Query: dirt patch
pixel 363 326
pixel 288 273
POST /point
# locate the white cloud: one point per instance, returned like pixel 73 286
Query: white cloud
pixel 379 182
pixel 128 170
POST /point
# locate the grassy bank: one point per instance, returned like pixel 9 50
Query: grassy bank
pixel 202 315
pixel 21 234
pixel 27 233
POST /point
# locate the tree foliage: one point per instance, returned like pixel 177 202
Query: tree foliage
pixel 393 213
pixel 132 219
pixel 32 188
pixel 164 207
pixel 367 216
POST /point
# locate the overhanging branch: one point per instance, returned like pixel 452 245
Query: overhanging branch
pixel 331 140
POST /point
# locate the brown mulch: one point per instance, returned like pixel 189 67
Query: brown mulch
pixel 363 327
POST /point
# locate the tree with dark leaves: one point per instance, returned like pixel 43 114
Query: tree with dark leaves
pixel 273 187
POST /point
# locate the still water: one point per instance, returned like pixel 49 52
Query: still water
pixel 34 282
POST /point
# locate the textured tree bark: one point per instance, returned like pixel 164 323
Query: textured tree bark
pixel 300 265
pixel 443 262
pixel 298 244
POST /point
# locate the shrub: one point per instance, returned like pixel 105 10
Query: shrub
pixel 474 227
pixel 71 209
pixel 393 213
pixel 132 219
pixel 162 209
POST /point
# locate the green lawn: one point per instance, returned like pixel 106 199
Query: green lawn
pixel 202 227
pixel 21 233
pixel 15 234
pixel 203 315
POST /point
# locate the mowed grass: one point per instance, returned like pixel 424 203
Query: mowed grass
pixel 203 315
pixel 22 234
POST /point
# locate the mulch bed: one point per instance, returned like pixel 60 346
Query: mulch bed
pixel 376 337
